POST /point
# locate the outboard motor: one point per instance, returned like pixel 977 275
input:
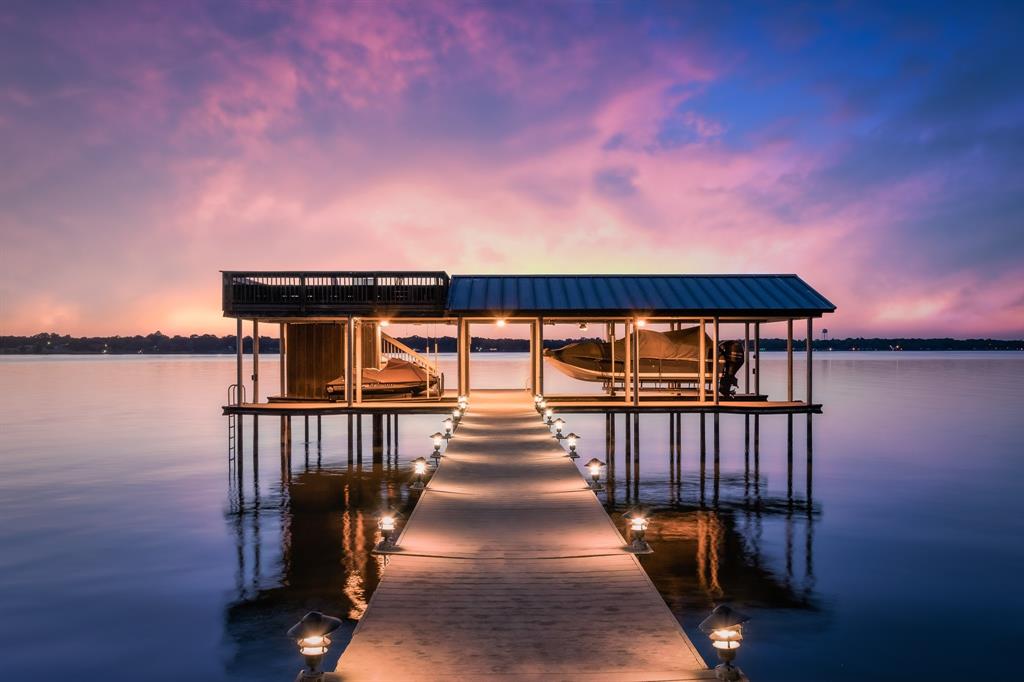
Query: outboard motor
pixel 731 353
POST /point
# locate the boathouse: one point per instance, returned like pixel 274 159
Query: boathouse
pixel 337 357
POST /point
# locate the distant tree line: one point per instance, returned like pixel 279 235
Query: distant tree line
pixel 158 343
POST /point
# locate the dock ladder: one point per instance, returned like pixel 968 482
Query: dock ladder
pixel 235 391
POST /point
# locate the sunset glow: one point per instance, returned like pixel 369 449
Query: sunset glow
pixel 148 146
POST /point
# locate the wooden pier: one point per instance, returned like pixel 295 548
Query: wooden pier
pixel 510 568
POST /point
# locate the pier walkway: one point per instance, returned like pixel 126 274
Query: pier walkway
pixel 510 568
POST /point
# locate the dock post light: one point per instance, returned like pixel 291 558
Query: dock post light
pixel 537 398
pixel 419 467
pixel 594 467
pixel 448 425
pixel 456 415
pixel 541 406
pixel 725 629
pixel 437 439
pixel 638 523
pixel 463 402
pixel 549 416
pixel 559 425
pixel 571 439
pixel 311 634
pixel 387 522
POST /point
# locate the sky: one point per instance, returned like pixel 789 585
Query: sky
pixel 872 148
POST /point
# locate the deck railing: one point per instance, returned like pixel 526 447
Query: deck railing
pixel 339 293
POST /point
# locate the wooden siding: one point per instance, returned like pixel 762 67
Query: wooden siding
pixel 313 358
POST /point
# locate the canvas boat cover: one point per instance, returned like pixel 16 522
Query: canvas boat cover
pixel 682 344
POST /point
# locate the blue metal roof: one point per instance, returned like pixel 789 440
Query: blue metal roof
pixel 621 295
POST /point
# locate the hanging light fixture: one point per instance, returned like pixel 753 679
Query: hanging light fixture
pixel 419 467
pixel 641 322
pixel 594 467
pixel 500 322
pixel 571 439
pixel 583 326
pixel 638 524
pixel 724 628
pixel 311 634
pixel 385 323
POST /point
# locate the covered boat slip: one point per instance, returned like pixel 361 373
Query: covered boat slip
pixel 644 338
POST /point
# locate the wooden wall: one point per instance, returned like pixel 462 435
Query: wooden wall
pixel 313 357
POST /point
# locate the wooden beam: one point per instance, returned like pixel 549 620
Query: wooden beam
pixel 746 357
pixel 789 360
pixel 702 366
pixel 281 350
pixel 238 361
pixel 757 358
pixel 255 361
pixel 810 372
pixel 636 363
pixel 714 360
pixel 350 359
pixel 627 362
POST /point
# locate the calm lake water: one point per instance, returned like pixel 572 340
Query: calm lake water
pixel 130 548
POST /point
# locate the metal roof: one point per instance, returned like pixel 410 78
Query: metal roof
pixel 625 295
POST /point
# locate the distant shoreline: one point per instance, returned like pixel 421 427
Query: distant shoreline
pixel 210 344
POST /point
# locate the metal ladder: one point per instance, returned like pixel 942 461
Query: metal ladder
pixel 234 392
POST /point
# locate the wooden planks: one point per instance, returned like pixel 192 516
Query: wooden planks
pixel 510 568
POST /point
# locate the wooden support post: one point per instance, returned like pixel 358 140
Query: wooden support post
pixel 319 430
pixel 757 358
pixel 810 372
pixel 282 342
pixel 459 351
pixel 636 455
pixel 636 363
pixel 702 367
pixel 306 422
pixel 628 452
pixel 533 358
pixel 611 346
pixel 359 440
pixel 746 357
pixel 789 360
pixel 540 359
pixel 350 360
pixel 255 361
pixel 349 440
pixel 357 370
pixel 627 350
pixel 714 363
pixel 238 361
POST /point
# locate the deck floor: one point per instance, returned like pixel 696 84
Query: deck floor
pixel 510 568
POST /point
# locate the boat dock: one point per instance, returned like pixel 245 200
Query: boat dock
pixel 509 567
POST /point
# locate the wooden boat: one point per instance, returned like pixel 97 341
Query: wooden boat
pixel 669 358
pixel 396 378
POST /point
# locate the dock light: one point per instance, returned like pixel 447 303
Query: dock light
pixel 448 424
pixel 583 326
pixel 500 322
pixel 311 634
pixel 571 440
pixel 537 399
pixel 638 523
pixel 438 439
pixel 463 402
pixel 594 467
pixel 419 467
pixel 725 629
pixel 385 323
pixel 559 425
pixel 641 323
pixel 549 416
pixel 542 405
pixel 387 522
pixel 456 414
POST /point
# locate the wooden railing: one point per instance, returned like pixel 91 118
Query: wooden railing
pixel 338 293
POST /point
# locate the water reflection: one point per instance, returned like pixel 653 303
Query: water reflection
pixel 319 524
pixel 709 527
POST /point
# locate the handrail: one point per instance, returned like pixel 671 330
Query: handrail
pixel 233 391
pixel 391 346
pixel 300 292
